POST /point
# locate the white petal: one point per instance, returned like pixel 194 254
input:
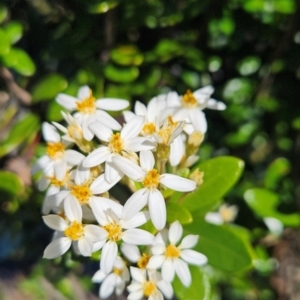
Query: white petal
pixel 112 172
pixel 108 286
pixel 147 160
pixel 189 241
pixel 107 120
pixel 183 272
pixel 50 133
pixel 204 91
pixel 156 261
pixel 57 198
pixel 44 182
pixel 98 276
pixel 177 183
pixel 138 275
pixel 41 164
pixel 134 286
pixel 55 222
pixel 95 233
pixel 85 246
pixel 137 144
pixel 73 209
pixel 140 109
pixel 128 167
pixel 168 270
pixel 101 185
pixel 131 252
pixel 198 120
pixel 83 92
pixel 175 232
pixel 109 254
pixel 214 104
pixel 87 133
pixel 137 237
pixel 57 248
pixel 67 101
pixel 60 169
pixel 128 115
pixel 96 157
pixel 101 131
pixel 193 257
pixel 60 127
pixel 138 220
pixel 137 295
pixel 82 175
pixel 166 289
pixel 157 209
pixel 135 203
pixel 158 249
pixel 133 127
pixel 176 151
pixel 112 104
pixel 214 218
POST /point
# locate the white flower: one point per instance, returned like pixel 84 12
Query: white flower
pixel 58 158
pixel 119 144
pixel 114 281
pixel 90 110
pixel 226 214
pixel 173 259
pixel 119 229
pixel 150 194
pixel 73 231
pixel 151 286
pixel 132 253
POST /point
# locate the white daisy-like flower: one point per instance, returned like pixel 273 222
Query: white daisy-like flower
pixel 57 157
pixel 90 109
pixel 226 214
pixel 150 194
pixel 124 143
pixel 175 259
pixel 72 231
pixel 119 229
pixel 133 254
pixel 148 284
pixel 114 281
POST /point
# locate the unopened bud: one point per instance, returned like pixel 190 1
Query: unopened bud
pixel 197 176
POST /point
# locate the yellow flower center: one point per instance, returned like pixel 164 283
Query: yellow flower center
pixel 87 105
pixel 114 231
pixel 227 213
pixel 75 132
pixel 165 135
pixel 55 150
pixel 115 143
pixel 117 271
pixel 74 231
pixel 81 192
pixel 188 100
pixel 151 180
pixel 148 129
pixel 143 261
pixel 148 288
pixel 172 252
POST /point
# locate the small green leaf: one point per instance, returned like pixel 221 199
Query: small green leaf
pixel 264 202
pixel 179 213
pixel 5 43
pixel 224 249
pixel 14 31
pixel 199 289
pixel 220 174
pixel 10 184
pixel 3 12
pixel 127 55
pixel 121 75
pixel 249 65
pixel 20 61
pixel 102 6
pixel 54 112
pixel 48 87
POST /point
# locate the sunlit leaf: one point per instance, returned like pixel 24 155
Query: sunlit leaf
pixel 14 31
pixel 5 42
pixel 127 55
pixel 3 12
pixel 122 75
pixel 179 213
pixel 10 183
pixel 102 6
pixel 249 65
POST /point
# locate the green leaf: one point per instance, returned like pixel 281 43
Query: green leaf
pixel 220 174
pixel 14 31
pixel 10 184
pixel 54 112
pixel 121 75
pixel 178 212
pixel 102 6
pixel 264 202
pixel 249 65
pixel 3 12
pixel 20 61
pixel 199 289
pixel 127 55
pixel 5 43
pixel 224 249
pixel 48 87
pixel 25 129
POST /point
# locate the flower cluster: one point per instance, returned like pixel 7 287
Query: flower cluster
pixel 91 153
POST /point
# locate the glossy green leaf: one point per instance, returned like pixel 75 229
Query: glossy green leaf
pixel 3 12
pixel 48 87
pixel 14 31
pixel 191 79
pixel 264 203
pixel 121 75
pixel 20 61
pixel 179 213
pixel 5 42
pixel 10 184
pixel 276 170
pixel 54 112
pixel 249 65
pixel 220 174
pixel 224 249
pixel 102 6
pixel 127 55
pixel 199 289
pixel 24 129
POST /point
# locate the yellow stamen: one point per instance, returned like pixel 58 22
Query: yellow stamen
pixel 228 213
pixel 114 231
pixel 87 105
pixel 117 271
pixel 81 192
pixel 148 129
pixel 165 135
pixel 74 231
pixel 115 143
pixel 148 288
pixel 75 132
pixel 55 150
pixel 151 180
pixel 143 261
pixel 188 100
pixel 172 252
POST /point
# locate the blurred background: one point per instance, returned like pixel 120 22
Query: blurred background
pixel 249 50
